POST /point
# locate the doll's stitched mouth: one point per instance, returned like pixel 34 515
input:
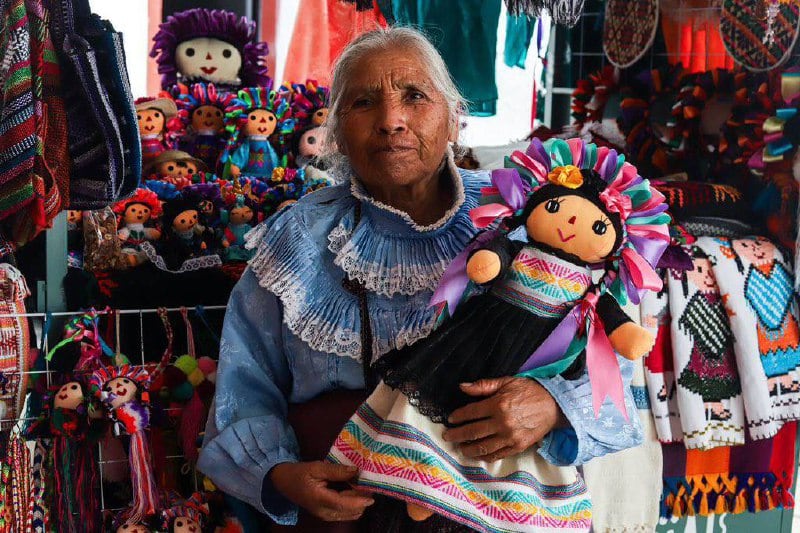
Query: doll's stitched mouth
pixel 208 70
pixel 262 130
pixel 121 392
pixel 208 124
pixel 149 128
pixel 63 396
pixel 564 239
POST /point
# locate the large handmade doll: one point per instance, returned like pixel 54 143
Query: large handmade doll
pixel 201 108
pixel 566 206
pixel 255 115
pixel 210 45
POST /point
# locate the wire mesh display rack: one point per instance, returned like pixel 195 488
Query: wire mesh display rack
pixel 171 465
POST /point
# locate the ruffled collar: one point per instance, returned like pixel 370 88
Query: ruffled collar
pixel 303 253
pixel 389 253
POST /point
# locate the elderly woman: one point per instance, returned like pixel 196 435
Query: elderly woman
pixel 345 276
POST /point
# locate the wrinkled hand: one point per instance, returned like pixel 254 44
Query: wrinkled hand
pixel 307 485
pixel 517 413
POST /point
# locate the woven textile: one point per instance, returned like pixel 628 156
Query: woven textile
pixel 400 453
pixel 14 343
pixel 757 285
pixel 756 38
pixel 629 29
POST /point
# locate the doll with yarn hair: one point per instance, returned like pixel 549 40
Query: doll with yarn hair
pixel 134 213
pixel 253 117
pixel 188 516
pixel 310 103
pixel 563 208
pixel 124 393
pixel 210 45
pixel 156 128
pixel 65 420
pixel 201 108
pixel 238 220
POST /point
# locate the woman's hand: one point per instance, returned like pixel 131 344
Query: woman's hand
pixel 307 485
pixel 517 414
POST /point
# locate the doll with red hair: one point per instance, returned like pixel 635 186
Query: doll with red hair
pixel 134 213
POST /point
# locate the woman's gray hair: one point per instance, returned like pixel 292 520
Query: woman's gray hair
pixel 374 42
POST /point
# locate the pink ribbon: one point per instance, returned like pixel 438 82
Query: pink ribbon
pixel 616 202
pixel 601 360
pixel 484 215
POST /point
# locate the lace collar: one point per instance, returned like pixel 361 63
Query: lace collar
pixel 391 254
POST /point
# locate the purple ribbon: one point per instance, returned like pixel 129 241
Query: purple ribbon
pixel 555 345
pixel 454 280
pixel 511 187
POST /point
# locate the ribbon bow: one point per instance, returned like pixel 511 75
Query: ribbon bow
pixel 568 176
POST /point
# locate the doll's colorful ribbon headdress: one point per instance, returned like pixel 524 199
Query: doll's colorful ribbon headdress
pixel 781 130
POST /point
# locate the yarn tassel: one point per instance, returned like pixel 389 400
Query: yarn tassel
pixel 87 482
pixel 145 493
pixel 192 422
pixel 63 458
pixel 566 12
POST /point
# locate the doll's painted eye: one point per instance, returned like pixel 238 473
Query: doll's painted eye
pixel 107 388
pixel 218 113
pixel 126 381
pixel 271 118
pixel 190 52
pixel 170 168
pixel 552 206
pixel 253 116
pixel 157 114
pixel 138 117
pixel 311 140
pixel 227 53
pixel 190 170
pixel 599 227
pixel 74 387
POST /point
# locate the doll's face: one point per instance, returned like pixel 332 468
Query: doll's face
pixel 574 225
pixel 702 276
pixel 123 390
pixel 260 122
pixel 312 142
pixel 185 525
pixel 241 215
pixel 69 396
pixel 207 118
pixel 74 216
pixel 320 116
pixel 185 220
pixel 209 59
pixel 151 121
pixel 132 528
pixel 759 251
pixel 136 214
pixel 177 169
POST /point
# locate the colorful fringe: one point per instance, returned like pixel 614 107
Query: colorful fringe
pixel 742 479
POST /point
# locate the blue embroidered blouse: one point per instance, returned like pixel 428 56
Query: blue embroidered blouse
pixel 291 332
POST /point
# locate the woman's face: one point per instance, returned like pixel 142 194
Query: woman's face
pixel 394 126
pixel 574 225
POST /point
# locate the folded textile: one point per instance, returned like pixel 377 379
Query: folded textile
pixel 732 479
pixel 709 392
pixel 658 367
pixel 756 288
pixel 691 198
pixel 628 500
pixel 717 227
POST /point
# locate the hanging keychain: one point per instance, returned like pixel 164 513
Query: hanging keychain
pixel 124 392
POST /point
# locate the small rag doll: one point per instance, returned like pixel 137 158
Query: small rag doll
pixel 154 115
pixel 135 212
pixel 201 108
pixel 189 516
pixel 309 147
pixel 185 243
pixel 256 114
pixel 75 238
pixel 176 167
pixel 124 393
pixel 65 420
pixel 564 207
pixel 210 45
pixel 239 223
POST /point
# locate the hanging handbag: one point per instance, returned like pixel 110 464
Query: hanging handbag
pixel 103 134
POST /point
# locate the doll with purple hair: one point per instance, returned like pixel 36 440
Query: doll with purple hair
pixel 210 45
pixel 201 109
